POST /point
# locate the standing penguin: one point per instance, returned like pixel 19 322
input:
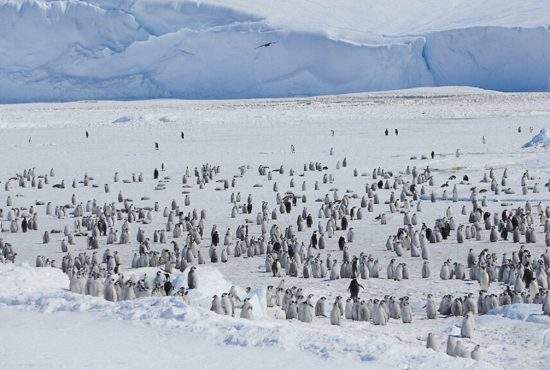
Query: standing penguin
pixel 320 307
pixel 246 311
pixel 451 346
pixel 484 279
pixel 110 291
pixel 425 269
pixel 406 313
pixel 468 323
pixel 354 288
pixel 217 305
pixel 431 343
pixel 335 314
pixel 192 282
pixel 546 304
pixel 431 311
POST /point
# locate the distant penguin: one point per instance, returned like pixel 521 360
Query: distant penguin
pixel 431 311
pixel 320 309
pixel 451 346
pixel 216 305
pixel 468 323
pixel 246 310
pixel 431 343
pixel 192 282
pixel 335 314
pixel 476 353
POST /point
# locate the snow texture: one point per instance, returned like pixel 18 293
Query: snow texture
pixel 120 49
pixel 542 139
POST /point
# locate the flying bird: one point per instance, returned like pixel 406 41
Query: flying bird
pixel 266 44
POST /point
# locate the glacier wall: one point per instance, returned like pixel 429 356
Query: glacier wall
pixel 119 49
pixel 496 58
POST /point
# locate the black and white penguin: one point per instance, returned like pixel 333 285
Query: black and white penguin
pixel 192 281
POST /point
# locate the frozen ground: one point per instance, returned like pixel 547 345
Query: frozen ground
pixel 36 306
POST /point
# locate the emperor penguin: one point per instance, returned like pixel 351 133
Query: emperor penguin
pixel 484 281
pixel 406 312
pixel 335 314
pixel 227 304
pixel 129 293
pixel 348 310
pixel 292 310
pixel 468 324
pixel 546 304
pixel 306 311
pixel 379 315
pixel 451 346
pixel 110 292
pixel 431 343
pixel 320 307
pixel 192 280
pixel 246 311
pixel 426 269
pixel 364 311
pixel 431 311
pixel 217 305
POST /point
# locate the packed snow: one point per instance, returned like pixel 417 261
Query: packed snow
pixel 472 132
pixel 542 139
pixel 113 49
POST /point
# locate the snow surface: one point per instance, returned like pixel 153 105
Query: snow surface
pixel 120 49
pixel 542 139
pixel 50 327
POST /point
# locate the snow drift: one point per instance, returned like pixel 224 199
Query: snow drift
pixel 117 49
pixel 44 290
pixel 540 140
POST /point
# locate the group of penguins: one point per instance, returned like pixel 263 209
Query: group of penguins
pixel 88 276
pixel 286 255
pixel 296 305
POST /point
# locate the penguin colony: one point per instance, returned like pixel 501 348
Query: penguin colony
pixel 314 246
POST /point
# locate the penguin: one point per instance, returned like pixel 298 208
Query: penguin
pixel 192 281
pixel 379 314
pixel 216 305
pixel 468 323
pixel 354 288
pixel 451 346
pixel 406 312
pixel 546 304
pixel 246 310
pixel 335 314
pixel 476 353
pixel 320 307
pixel 227 305
pixel 306 311
pixel 110 291
pixel 431 311
pixel 430 341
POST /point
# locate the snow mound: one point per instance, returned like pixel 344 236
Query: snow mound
pixel 123 119
pixel 18 280
pixel 106 49
pixel 373 348
pixel 523 312
pixel 540 140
